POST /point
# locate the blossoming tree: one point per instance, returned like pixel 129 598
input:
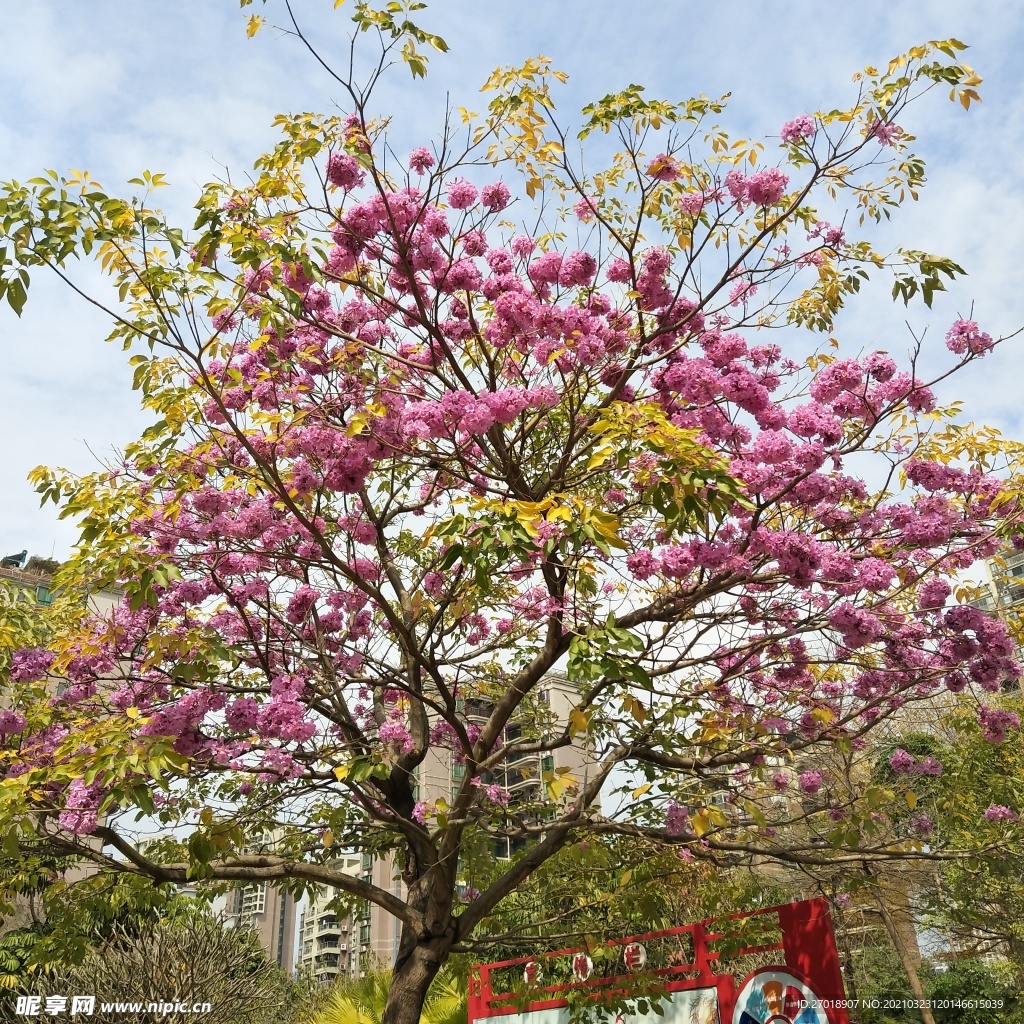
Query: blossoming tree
pixel 430 428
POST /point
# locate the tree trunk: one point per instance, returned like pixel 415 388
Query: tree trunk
pixel 416 967
pixel 906 957
pixel 848 970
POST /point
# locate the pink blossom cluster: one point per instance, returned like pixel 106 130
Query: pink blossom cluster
pixel 677 818
pixel 81 805
pixel 887 133
pixel 798 130
pixel 762 188
pixel 30 664
pixel 996 723
pixel 11 722
pixel 965 336
pixel 1000 812
pixel 811 781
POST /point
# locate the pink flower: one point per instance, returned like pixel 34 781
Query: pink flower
pixel 618 271
pixel 344 171
pixel 857 626
pixel 522 246
pixel 461 194
pixel 677 819
pixel 495 196
pixel 81 806
pixel 964 336
pixel 585 208
pixel 879 366
pixel 692 203
pixel 766 187
pixel 663 168
pixel 736 186
pixel 922 824
pixel 301 603
pixel 999 812
pixel 243 714
pixel 11 722
pixel 545 269
pixel 798 129
pixel 642 564
pixel 901 762
pixel 810 782
pixel 30 664
pixel 419 812
pixel 421 160
pixel 577 268
pixel 928 766
pixel 995 723
pixel 395 734
pixel 497 795
pixel 887 134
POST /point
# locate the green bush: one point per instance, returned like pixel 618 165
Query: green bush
pixel 974 981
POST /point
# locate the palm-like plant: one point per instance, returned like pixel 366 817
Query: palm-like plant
pixel 362 1000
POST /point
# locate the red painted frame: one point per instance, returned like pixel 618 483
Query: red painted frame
pixel 808 949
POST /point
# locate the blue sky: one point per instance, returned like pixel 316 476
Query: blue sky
pixel 117 87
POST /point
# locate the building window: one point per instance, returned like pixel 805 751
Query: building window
pixel 43 595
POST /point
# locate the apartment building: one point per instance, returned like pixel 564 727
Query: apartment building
pixel 328 946
pixel 270 912
pixel 1003 593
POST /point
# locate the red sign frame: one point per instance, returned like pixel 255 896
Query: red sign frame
pixel 808 956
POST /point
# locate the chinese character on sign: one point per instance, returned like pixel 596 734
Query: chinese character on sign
pixel 635 956
pixel 582 966
pixel 56 1004
pixel 531 973
pixel 28 1006
pixel 83 1004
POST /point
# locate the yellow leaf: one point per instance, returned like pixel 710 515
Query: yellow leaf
pixel 911 799
pixel 132 713
pixel 341 772
pixel 634 707
pixel 254 25
pixel 640 790
pixel 356 424
pixel 328 839
pixel 554 787
pixel 701 822
pixel 559 512
pixel 579 721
